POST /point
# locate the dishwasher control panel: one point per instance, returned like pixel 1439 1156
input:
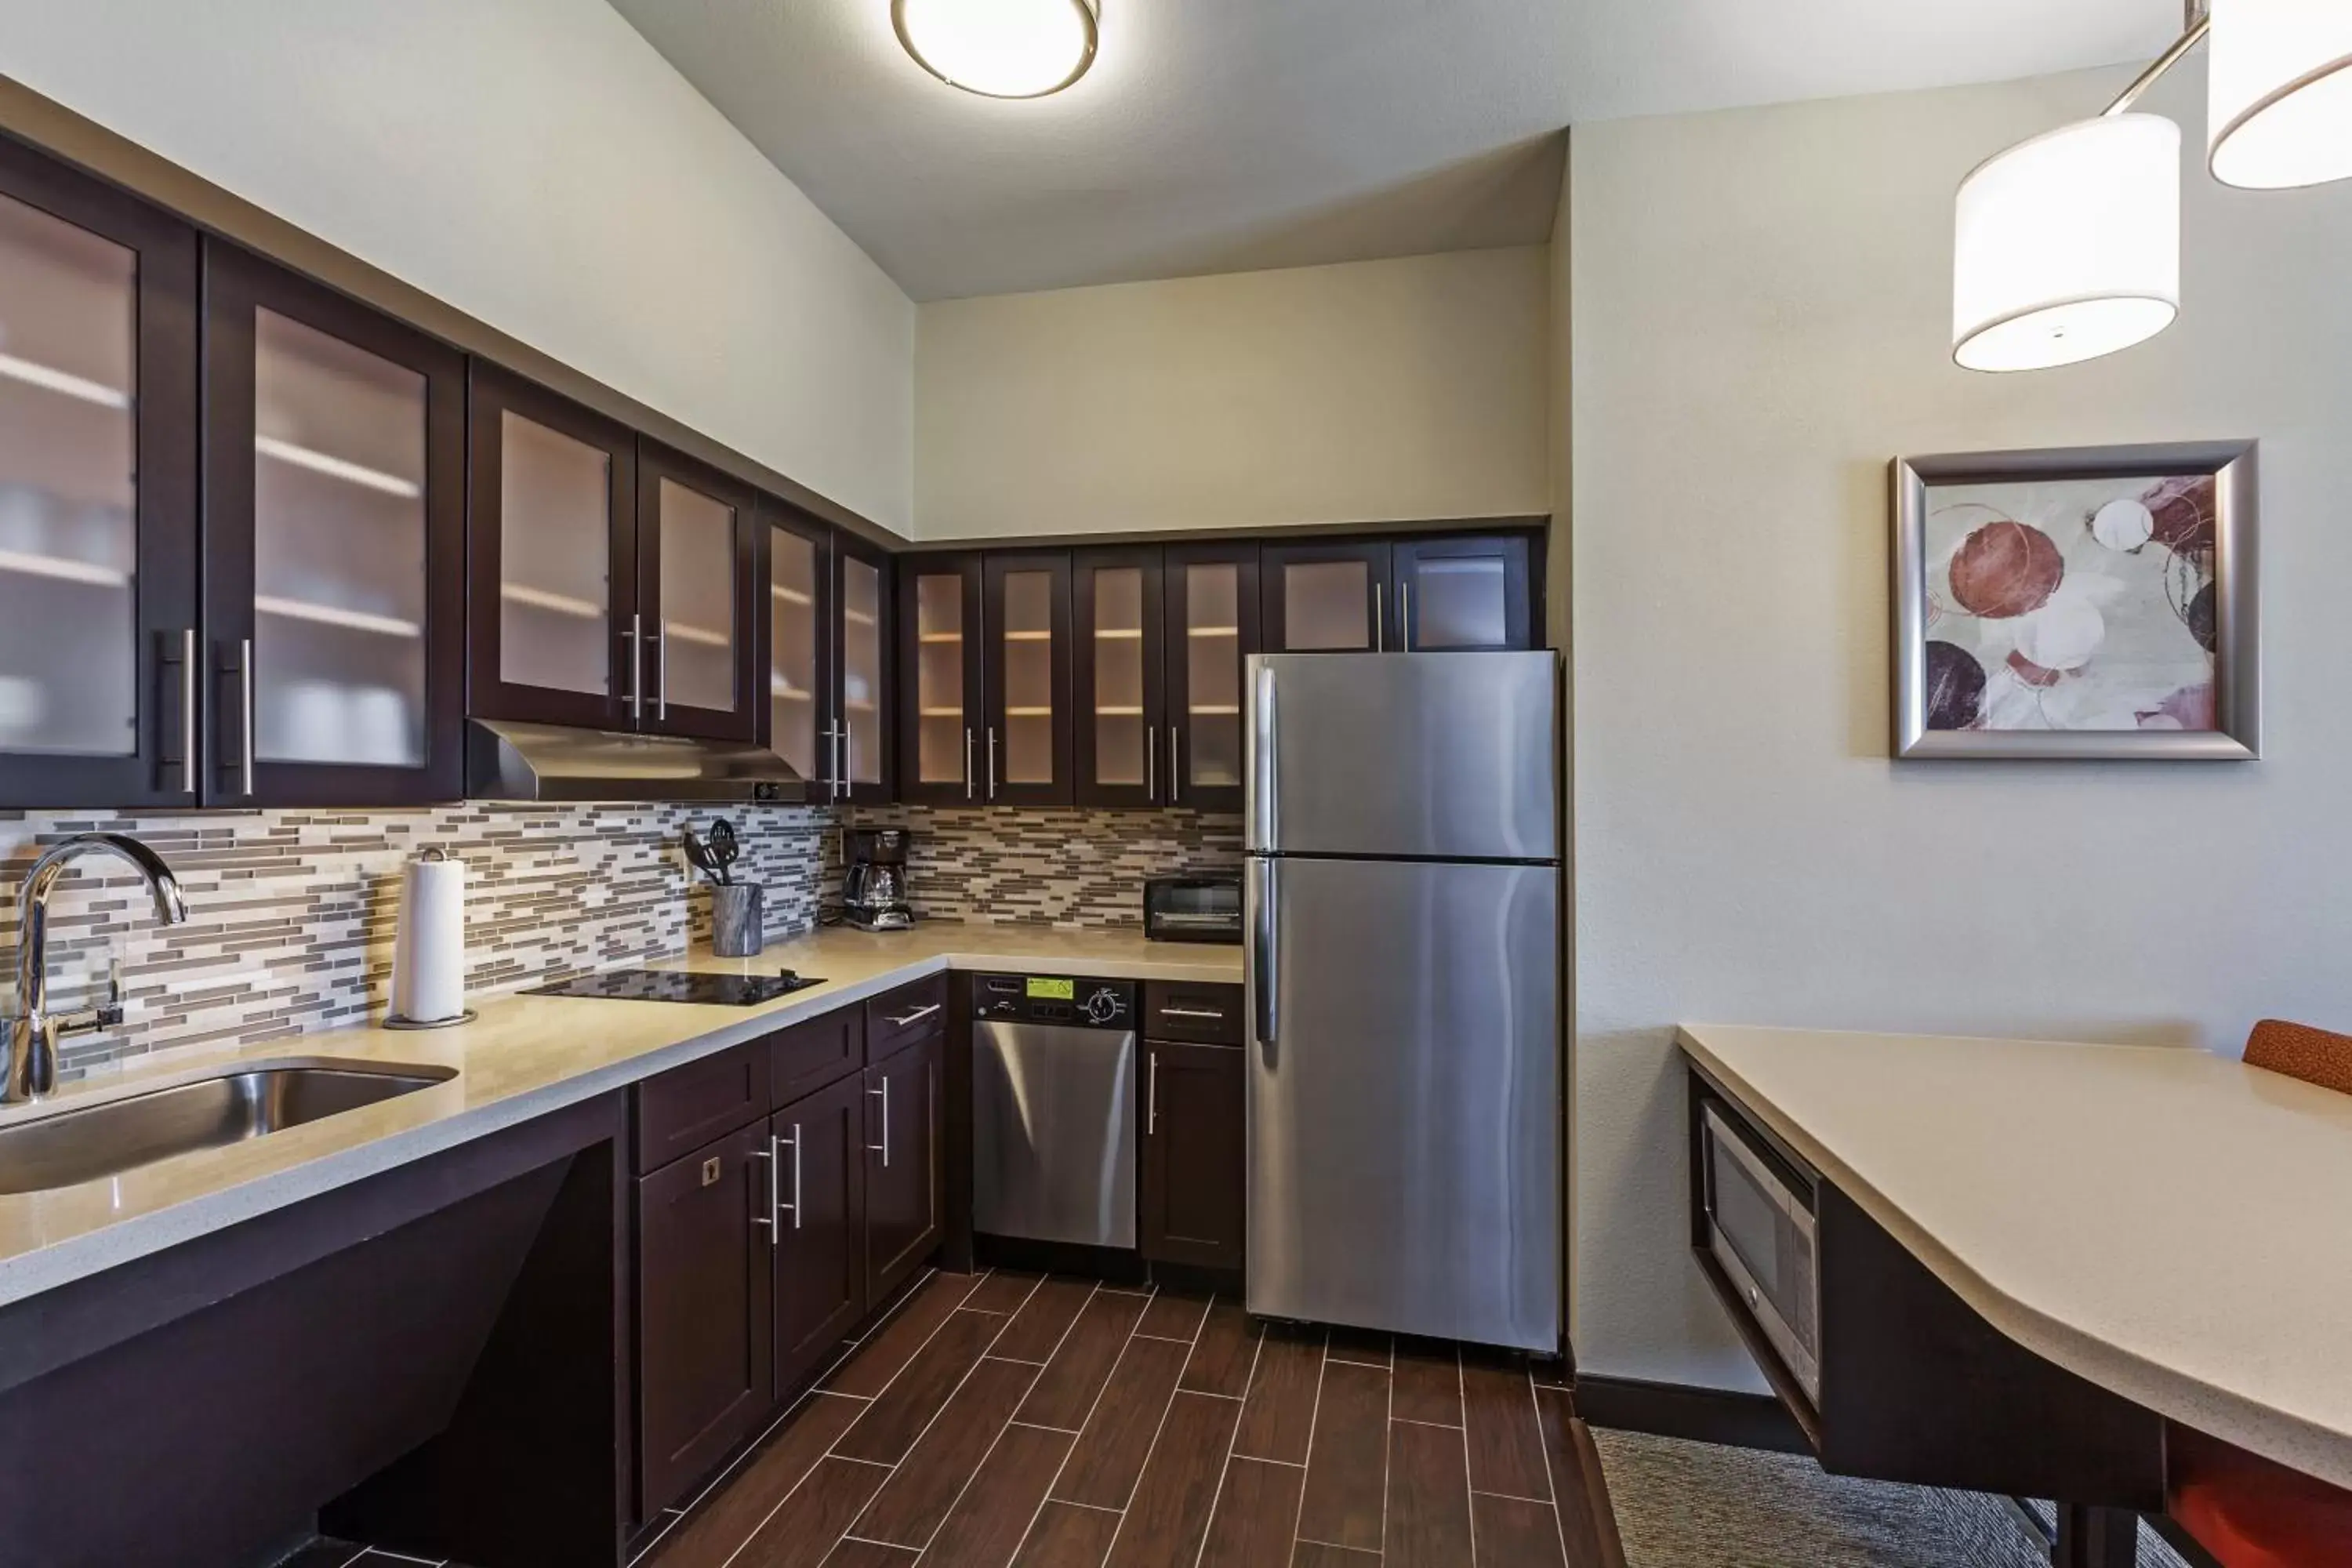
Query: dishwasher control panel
pixel 1054 999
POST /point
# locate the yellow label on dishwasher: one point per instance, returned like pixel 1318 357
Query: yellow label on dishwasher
pixel 1053 990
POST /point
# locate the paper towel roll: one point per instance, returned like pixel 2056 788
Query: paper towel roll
pixel 428 952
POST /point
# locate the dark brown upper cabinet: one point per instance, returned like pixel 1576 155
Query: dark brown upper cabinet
pixel 334 542
pixel 101 654
pixel 1327 597
pixel 940 693
pixel 1464 593
pixel 1027 730
pixel 557 636
pixel 829 616
pixel 1211 593
pixel 1120 677
pixel 697 605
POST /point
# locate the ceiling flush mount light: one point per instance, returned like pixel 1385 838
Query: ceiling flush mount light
pixel 1000 49
pixel 2068 247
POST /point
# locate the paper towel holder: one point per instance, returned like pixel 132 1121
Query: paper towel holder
pixel 394 1020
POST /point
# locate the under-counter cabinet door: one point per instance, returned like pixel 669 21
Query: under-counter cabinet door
pixel 940 723
pixel 1464 593
pixel 1122 741
pixel 904 1192
pixel 820 1233
pixel 705 1324
pixel 697 545
pixel 862 649
pixel 334 544
pixel 1211 598
pixel 1327 599
pixel 556 635
pixel 100 653
pixel 1025 743
pixel 1193 1155
pixel 798 708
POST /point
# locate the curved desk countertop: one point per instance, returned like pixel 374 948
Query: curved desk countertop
pixel 2173 1225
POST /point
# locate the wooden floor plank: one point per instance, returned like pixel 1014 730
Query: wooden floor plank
pixel 1514 1533
pixel 1280 1411
pixel 1082 1365
pixel 1037 1329
pixel 1065 1536
pixel 1256 1516
pixel 986 1527
pixel 1367 1346
pixel 1323 1555
pixel 1428 1382
pixel 1118 1437
pixel 1173 1317
pixel 727 1519
pixel 890 1425
pixel 1222 1355
pixel 800 1534
pixel 1005 1290
pixel 894 1345
pixel 1587 1522
pixel 1428 1498
pixel 1506 1448
pixel 1347 1473
pixel 1169 1514
pixel 916 1499
pixel 868 1554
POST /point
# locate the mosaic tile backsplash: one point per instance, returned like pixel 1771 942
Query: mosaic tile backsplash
pixel 291 913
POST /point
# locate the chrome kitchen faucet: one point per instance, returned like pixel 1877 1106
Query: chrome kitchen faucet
pixel 33 1030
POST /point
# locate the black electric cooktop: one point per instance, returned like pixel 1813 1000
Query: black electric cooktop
pixel 678 985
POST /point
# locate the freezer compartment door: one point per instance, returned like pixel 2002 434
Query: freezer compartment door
pixel 1444 755
pixel 1053 1133
pixel 1404 1166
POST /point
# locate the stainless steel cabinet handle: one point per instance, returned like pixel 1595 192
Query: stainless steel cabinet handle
pixel 883 1148
pixel 848 749
pixel 1152 763
pixel 1175 769
pixel 1380 621
pixel 1152 1121
pixel 967 763
pixel 991 762
pixel 917 1017
pixel 833 756
pixel 1264 954
pixel 661 673
pixel 769 1219
pixel 188 711
pixel 1404 616
pixel 775 1179
pixel 245 678
pixel 635 638
pixel 1191 1013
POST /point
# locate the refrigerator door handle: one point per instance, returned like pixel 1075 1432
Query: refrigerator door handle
pixel 1264 956
pixel 1264 818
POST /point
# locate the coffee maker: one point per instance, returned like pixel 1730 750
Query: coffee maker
pixel 873 887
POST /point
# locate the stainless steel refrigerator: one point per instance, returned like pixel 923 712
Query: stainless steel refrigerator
pixel 1403 965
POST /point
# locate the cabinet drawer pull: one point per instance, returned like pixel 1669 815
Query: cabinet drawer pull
pixel 917 1017
pixel 1211 1013
pixel 883 1148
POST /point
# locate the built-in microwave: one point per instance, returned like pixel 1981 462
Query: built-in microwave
pixel 1759 1217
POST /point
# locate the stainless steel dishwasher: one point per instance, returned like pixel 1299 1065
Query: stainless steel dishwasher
pixel 1053 1109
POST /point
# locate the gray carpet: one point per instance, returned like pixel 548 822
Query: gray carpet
pixel 1694 1505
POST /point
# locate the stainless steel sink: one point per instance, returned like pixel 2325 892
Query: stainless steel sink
pixel 113 1136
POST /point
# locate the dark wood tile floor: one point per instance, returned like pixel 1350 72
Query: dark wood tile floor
pixel 1005 1419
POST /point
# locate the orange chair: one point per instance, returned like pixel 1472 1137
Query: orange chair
pixel 2247 1511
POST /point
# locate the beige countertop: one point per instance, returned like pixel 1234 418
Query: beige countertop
pixel 2171 1224
pixel 523 1058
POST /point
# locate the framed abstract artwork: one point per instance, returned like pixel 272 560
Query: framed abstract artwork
pixel 2095 602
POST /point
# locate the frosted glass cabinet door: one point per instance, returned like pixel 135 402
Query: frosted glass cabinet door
pixel 333 498
pixel 697 543
pixel 1028 728
pixel 98 654
pixel 1327 599
pixel 865 632
pixel 1212 629
pixel 559 634
pixel 1464 593
pixel 1120 752
pixel 799 731
pixel 939 720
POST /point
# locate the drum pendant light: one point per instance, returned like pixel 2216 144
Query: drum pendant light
pixel 2279 103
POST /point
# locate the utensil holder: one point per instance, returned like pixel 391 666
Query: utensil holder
pixel 738 919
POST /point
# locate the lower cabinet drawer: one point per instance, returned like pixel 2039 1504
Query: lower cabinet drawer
pixel 1204 1015
pixel 810 1055
pixel 688 1107
pixel 899 1018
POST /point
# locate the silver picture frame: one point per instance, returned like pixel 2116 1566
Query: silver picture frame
pixel 2237 648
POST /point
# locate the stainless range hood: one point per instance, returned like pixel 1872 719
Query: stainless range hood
pixel 553 762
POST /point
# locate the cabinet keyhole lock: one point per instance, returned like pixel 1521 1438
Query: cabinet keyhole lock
pixel 710 1168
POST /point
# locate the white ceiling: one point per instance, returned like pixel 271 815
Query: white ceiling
pixel 1219 135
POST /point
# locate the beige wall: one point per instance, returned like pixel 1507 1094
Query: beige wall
pixel 535 163
pixel 1372 391
pixel 1764 319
